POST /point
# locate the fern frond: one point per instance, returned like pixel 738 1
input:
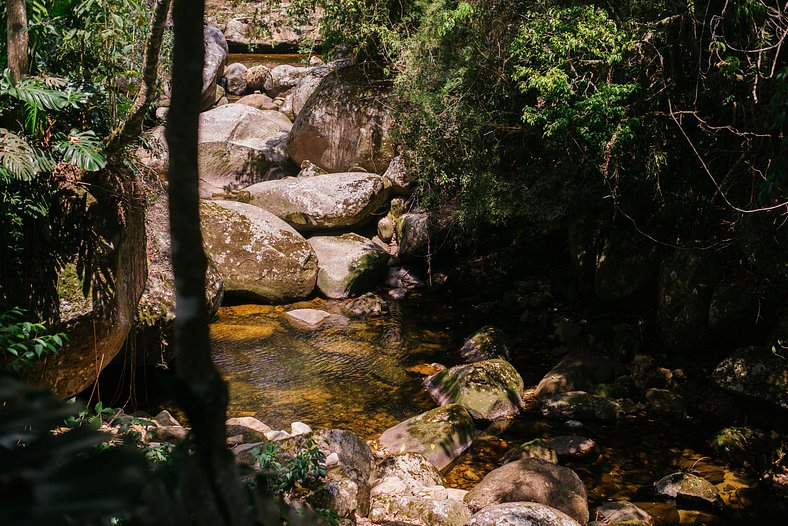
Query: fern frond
pixel 83 150
pixel 17 158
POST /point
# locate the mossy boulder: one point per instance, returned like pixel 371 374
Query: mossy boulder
pixel 521 514
pixel 259 256
pixel 532 480
pixel 579 405
pixel 323 202
pixel 413 234
pixel 441 435
pixel 489 389
pixel 757 373
pixel 238 146
pixel 487 343
pixel 686 487
pixel 346 122
pixel 348 264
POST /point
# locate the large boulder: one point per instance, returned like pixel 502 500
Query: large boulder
pixel 348 264
pixel 398 175
pixel 270 30
pixel 344 124
pixel 579 405
pixel 521 514
pixel 235 76
pixel 489 390
pixel 441 435
pixel 97 331
pixel 284 77
pixel 322 202
pixel 413 232
pixel 257 77
pixel 309 82
pixel 755 372
pixel 215 57
pixel 258 255
pixel 686 285
pixel 532 480
pixel 485 344
pixel 239 146
pixel 578 371
pixel 408 489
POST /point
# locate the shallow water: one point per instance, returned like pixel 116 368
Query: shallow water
pixel 366 375
pixel 269 60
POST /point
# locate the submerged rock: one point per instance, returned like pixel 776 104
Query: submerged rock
pixel 490 389
pixel 441 435
pixel 369 304
pixel 258 255
pixel 580 405
pixel 689 488
pixel 619 512
pixel 485 344
pixel 239 146
pixel 537 448
pixel 322 202
pixel 573 446
pixel 348 264
pixel 521 514
pixel 755 372
pixel 532 480
pixel 312 318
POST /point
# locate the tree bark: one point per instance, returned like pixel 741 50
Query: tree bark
pixel 203 393
pixel 130 128
pixel 16 35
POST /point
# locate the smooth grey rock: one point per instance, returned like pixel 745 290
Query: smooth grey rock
pixel 397 174
pixel 322 202
pixel 258 255
pixel 441 435
pixel 213 69
pixel 239 146
pixel 532 480
pixel 252 429
pixel 348 264
pixel 283 78
pixel 521 514
pixel 485 344
pixel 312 318
pixel 258 101
pixel 489 390
pixel 688 487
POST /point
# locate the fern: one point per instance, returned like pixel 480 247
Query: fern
pixel 82 149
pixel 18 160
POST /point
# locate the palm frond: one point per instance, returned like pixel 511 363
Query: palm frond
pixel 82 149
pixel 17 158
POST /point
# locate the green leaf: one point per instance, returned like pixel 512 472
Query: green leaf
pixel 82 149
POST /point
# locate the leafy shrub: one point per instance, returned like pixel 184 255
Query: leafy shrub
pixel 286 473
pixel 23 342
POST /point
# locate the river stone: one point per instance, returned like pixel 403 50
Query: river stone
pixel 258 255
pixel 322 202
pixel 397 174
pixel 312 318
pixel 489 390
pixel 345 123
pixel 521 514
pixel 283 78
pixel 686 285
pixel 386 228
pixel 537 448
pixel 579 405
pixel 249 427
pixel 213 69
pixel 441 435
pixel 485 344
pixel 257 77
pixel 413 234
pixel 688 487
pixel 369 304
pixel 235 75
pixel 532 480
pixel 755 372
pixel 620 511
pixel 578 371
pixel 348 264
pixel 346 488
pixel 238 146
pixel 258 101
pixel 573 446
pixel 408 488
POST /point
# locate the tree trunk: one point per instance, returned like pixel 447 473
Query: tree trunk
pixel 16 34
pixel 213 478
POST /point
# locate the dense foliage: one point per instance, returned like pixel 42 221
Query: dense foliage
pixel 665 116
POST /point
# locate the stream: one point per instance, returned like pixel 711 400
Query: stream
pixel 366 375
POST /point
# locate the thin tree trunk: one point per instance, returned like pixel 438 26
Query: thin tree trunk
pixel 16 35
pixel 203 392
pixel 132 125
